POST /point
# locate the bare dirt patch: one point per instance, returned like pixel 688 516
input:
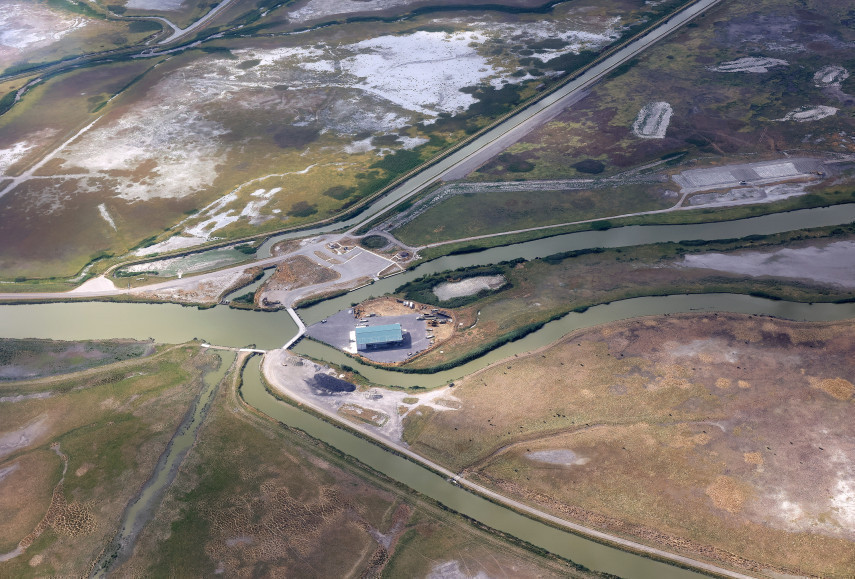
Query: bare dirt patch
pixel 26 27
pixel 726 493
pixel 562 457
pixel 830 76
pixel 202 290
pixel 832 264
pixel 652 120
pixel 809 113
pixel 469 286
pixel 155 4
pixel 750 64
pixel 297 272
pixel 362 414
pixel 23 437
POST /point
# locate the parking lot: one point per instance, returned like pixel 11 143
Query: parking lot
pixel 338 331
pixel 760 173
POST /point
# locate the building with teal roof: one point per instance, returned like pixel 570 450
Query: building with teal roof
pixel 378 336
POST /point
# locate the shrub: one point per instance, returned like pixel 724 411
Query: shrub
pixel 302 209
pixel 339 192
pixel 296 137
pixel 374 242
pixel 589 166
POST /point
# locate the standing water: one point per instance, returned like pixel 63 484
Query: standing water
pixel 142 508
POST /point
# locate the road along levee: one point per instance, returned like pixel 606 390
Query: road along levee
pixel 640 567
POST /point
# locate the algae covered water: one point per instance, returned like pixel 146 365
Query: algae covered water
pixel 142 508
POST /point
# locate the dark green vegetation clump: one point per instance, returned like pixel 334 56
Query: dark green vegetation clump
pixel 246 249
pixel 374 242
pixel 302 209
pixel 296 137
pixel 247 298
pixel 340 192
pixel 590 166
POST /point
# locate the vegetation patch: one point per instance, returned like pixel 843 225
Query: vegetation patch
pixel 110 424
pixel 32 358
pixel 374 242
pixel 590 166
pixel 296 136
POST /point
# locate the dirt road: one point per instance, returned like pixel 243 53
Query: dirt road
pixel 271 376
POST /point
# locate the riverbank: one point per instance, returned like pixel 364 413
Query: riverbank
pixel 585 557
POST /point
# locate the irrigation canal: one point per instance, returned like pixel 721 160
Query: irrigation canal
pixel 223 326
pixel 168 323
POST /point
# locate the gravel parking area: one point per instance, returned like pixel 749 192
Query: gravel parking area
pixel 338 329
pixel 750 173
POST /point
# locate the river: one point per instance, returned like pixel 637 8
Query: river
pixel 238 328
pixel 578 549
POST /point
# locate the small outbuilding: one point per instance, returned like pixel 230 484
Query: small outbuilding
pixel 378 336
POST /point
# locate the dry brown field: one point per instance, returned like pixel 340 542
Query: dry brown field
pixel 722 436
pixel 256 498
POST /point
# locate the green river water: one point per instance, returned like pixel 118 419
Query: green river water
pixel 238 328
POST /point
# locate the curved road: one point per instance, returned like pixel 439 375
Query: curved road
pixel 494 496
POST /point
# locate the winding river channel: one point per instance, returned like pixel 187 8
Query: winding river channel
pixel 239 328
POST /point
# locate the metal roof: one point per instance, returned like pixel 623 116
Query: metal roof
pixel 379 334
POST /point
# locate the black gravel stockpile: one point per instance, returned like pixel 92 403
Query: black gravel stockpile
pixel 326 385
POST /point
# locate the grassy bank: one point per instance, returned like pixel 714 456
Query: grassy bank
pixel 824 198
pixel 545 289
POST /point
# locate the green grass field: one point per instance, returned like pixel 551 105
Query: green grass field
pixel 497 212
